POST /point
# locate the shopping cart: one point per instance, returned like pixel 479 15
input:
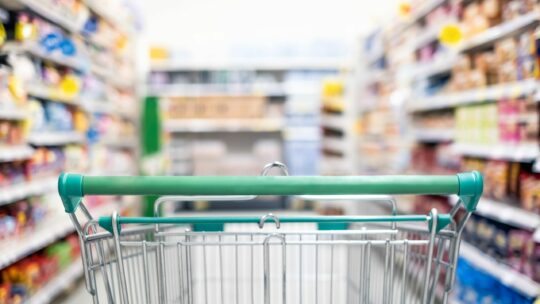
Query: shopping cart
pixel 270 259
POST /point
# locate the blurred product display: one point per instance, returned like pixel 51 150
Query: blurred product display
pixel 68 103
pixel 466 102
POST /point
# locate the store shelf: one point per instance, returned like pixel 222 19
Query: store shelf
pixel 111 78
pixel 54 287
pixel 120 143
pixel 46 232
pixel 47 10
pixel 52 94
pixel 19 191
pixel 506 275
pixel 15 152
pixel 106 107
pixel 495 92
pixel 506 29
pixel 439 66
pixel 428 35
pixel 270 64
pixel 336 122
pixel 418 13
pixel 55 138
pixel 12 113
pixel 433 135
pixel 104 13
pixel 224 125
pixel 519 153
pixel 505 213
pixel 37 51
pixel 424 9
pixel 220 89
pixel 334 144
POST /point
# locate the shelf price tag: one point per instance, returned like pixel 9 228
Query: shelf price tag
pixel 404 9
pixel 450 35
pixel 536 235
pixel 536 165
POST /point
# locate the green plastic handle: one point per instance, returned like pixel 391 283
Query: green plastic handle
pixel 72 187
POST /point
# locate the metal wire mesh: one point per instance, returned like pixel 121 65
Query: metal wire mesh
pixel 244 264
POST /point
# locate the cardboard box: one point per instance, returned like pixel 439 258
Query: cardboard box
pixel 228 107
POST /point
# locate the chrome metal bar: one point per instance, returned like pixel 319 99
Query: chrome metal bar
pixel 119 261
pixel 404 271
pixel 434 219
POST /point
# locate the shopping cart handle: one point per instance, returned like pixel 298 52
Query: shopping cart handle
pixel 72 187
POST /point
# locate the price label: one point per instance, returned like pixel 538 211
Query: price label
pixel 536 236
pixel 404 9
pixel 536 165
pixel 451 34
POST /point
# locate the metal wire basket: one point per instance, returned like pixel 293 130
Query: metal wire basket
pixel 270 259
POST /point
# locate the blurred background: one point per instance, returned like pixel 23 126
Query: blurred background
pixel 208 87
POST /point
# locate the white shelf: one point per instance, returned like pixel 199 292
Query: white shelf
pixel 106 107
pixel 334 144
pixel 433 135
pixel 54 287
pixel 336 122
pixel 439 66
pixel 256 64
pixel 37 51
pixel 48 11
pixel 110 77
pixel 505 213
pixel 45 233
pixel 501 31
pixel 428 35
pixel 12 153
pixel 495 92
pixel 125 143
pixel 111 18
pixel 220 89
pixel 16 192
pixel 505 274
pixel 424 9
pixel 223 125
pixel 55 138
pixel 51 94
pixel 12 113
pixel 520 153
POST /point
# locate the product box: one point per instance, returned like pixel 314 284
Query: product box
pixel 216 107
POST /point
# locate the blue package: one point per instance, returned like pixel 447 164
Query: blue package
pixel 68 47
pixel 91 25
pixel 59 117
pixel 51 41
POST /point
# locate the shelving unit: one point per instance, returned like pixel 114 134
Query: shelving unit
pixel 507 214
pixel 48 292
pixel 290 89
pixel 26 189
pixel 220 126
pixel 505 274
pixel 491 93
pixel 420 71
pixel 98 90
pixel 49 230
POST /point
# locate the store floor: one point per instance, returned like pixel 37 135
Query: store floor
pixel 76 295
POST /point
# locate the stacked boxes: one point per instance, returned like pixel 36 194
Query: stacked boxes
pixel 249 106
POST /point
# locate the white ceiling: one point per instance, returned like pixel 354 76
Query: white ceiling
pixel 210 28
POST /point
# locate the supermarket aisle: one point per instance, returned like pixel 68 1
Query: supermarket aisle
pixel 164 87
